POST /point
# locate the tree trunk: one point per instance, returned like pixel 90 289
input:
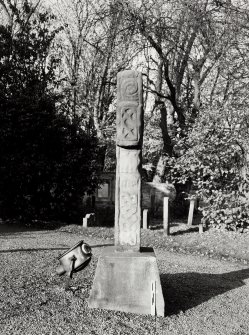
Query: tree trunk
pixel 160 172
pixel 197 96
pixel 167 144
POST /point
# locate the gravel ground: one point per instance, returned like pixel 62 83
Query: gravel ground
pixel 204 294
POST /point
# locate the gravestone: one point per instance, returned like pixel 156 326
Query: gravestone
pixel 127 277
pixel 88 220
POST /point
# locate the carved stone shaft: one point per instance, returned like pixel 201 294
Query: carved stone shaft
pixel 125 274
pixel 129 156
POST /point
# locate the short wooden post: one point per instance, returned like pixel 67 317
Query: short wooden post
pixel 166 215
pixel 88 219
pixel 153 298
pixel 200 228
pixel 145 219
pixel 191 212
pixel 84 223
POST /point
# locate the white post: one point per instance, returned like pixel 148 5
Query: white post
pixel 153 298
pixel 200 228
pixel 84 223
pixel 191 212
pixel 166 214
pixel 145 219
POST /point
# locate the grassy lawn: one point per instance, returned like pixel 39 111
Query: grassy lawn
pixel 205 280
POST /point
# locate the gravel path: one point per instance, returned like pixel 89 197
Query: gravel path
pixel 202 295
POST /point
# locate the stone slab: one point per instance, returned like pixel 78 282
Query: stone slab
pixel 124 281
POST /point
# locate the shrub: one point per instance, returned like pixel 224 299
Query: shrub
pixel 214 161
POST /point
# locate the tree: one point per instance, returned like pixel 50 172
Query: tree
pixel 95 46
pixel 47 162
pixel 195 67
pixel 186 42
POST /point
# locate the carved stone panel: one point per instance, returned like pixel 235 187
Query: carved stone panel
pixel 129 215
pixel 128 198
pixel 130 86
pixel 129 109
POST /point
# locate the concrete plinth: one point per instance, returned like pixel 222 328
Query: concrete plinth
pixel 128 282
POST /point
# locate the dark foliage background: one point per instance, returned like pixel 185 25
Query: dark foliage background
pixel 47 161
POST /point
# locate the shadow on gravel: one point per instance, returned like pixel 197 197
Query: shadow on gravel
pixel 187 231
pixel 183 291
pixel 31 250
pixel 160 226
pixel 13 229
pixel 49 249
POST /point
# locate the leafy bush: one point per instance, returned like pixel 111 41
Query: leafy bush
pixel 213 158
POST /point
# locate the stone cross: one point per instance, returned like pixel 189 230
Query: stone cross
pixel 127 278
pixel 129 156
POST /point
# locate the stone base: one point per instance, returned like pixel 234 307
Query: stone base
pixel 128 282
